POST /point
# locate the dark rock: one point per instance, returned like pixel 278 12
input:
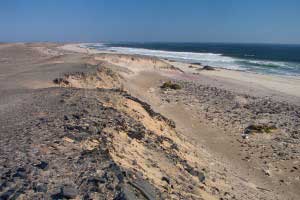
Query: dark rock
pixel 145 188
pixel 260 128
pixel 197 173
pixel 127 194
pixel 93 129
pixel 134 162
pixel 170 85
pixel 69 127
pixel 96 180
pixel 69 192
pixel 42 165
pixel 201 177
pixel 7 194
pixel 136 135
pixel 209 68
pixel 60 81
pixel 174 146
pixel 56 193
pixel 40 188
pixel 76 116
pixel 65 192
pixel 166 179
pixel 20 173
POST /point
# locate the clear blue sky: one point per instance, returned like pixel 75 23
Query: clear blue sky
pixel 268 21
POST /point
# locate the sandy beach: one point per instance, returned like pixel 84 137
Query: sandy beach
pixel 103 125
pixel 287 85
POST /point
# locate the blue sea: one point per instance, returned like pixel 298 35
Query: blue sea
pixel 276 59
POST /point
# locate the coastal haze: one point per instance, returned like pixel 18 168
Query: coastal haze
pixel 214 114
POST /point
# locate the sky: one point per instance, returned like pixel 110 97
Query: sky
pixel 237 21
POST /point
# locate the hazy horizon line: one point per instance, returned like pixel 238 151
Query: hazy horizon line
pixel 140 42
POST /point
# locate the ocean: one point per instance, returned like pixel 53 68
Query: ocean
pixel 278 59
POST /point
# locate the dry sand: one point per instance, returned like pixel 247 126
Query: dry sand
pixel 271 83
pixel 102 137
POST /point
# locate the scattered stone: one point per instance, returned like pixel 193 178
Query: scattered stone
pixel 196 173
pixel 208 68
pixel 136 134
pixel 267 172
pixel 134 162
pixel 69 192
pixel 40 188
pixel 42 165
pixel 146 189
pixel 64 192
pixel 170 85
pixel 7 194
pixel 166 179
pixel 261 128
pixel 56 193
pixel 126 194
pixel 60 81
pixel 174 146
pixel 20 173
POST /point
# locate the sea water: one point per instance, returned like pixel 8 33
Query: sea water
pixel 277 59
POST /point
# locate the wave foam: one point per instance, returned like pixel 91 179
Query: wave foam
pixel 213 59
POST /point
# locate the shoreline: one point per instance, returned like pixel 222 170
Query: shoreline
pixel 76 47
pixel 289 85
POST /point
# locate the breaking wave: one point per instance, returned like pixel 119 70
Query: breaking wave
pixel 212 59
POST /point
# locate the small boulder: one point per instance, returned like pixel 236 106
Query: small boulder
pixel 201 177
pixel 267 172
pixel 259 128
pixel 209 68
pixel 42 165
pixel 40 187
pixel 194 172
pixel 69 192
pixel 170 85
pixel 166 179
pixel 20 173
pixel 64 192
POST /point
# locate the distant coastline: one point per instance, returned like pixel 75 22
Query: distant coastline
pixel 289 86
pixel 275 59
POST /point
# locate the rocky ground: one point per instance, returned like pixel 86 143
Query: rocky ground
pixel 268 131
pixel 85 138
pixel 61 145
pixel 71 129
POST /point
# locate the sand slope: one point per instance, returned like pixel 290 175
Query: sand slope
pixel 79 124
